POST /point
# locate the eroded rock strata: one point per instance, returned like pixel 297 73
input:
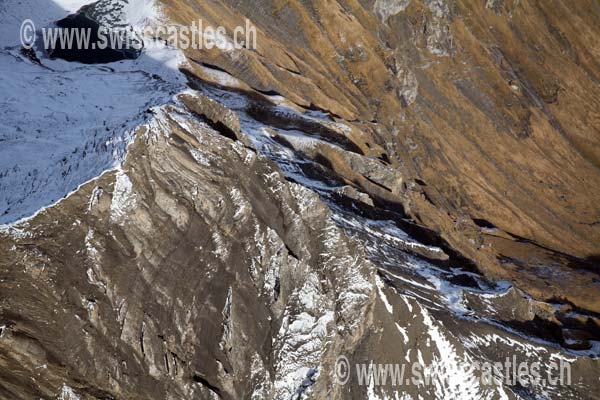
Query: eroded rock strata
pixel 398 181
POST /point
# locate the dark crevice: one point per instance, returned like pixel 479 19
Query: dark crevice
pixel 268 115
pixel 221 128
pixel 483 223
pixel 31 55
pixel 211 66
pixel 277 289
pixel 384 158
pixel 590 264
pixel 539 328
pixel 198 379
pixel 167 363
pixel 377 184
pixel 218 126
pixel 291 252
pixel 428 198
pixel 290 70
pixel 465 280
pixel 142 341
pixel 268 92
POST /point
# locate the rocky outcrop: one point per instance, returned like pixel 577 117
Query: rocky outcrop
pixel 485 108
pixel 104 25
pixel 364 184
pixel 175 276
pixel 240 285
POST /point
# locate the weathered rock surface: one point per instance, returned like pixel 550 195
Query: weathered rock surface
pixel 488 107
pixel 111 36
pixel 177 276
pixel 410 181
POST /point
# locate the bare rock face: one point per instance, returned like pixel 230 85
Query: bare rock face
pixel 240 285
pixel 387 8
pixel 104 17
pixel 176 276
pixel 483 107
pixel 391 181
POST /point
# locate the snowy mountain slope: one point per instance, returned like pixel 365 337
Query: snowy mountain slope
pixel 64 123
pixel 241 247
pixel 13 13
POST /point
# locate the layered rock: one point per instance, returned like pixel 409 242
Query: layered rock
pixel 355 186
pixel 485 109
pixel 177 277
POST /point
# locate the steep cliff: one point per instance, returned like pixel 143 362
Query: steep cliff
pixel 391 181
pixel 487 110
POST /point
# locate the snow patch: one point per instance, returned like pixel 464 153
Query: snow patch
pixel 67 393
pixel 453 382
pixel 403 332
pixel 123 200
pixel 380 287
